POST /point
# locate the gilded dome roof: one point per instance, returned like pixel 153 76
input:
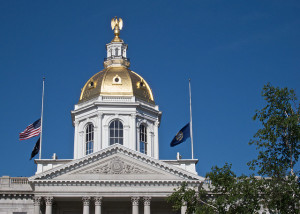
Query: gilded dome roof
pixel 116 81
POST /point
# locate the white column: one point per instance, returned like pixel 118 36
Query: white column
pixel 183 208
pixel 156 143
pixel 152 143
pixel 147 201
pixel 126 136
pixel 99 143
pixel 86 205
pixel 81 144
pixel 138 139
pixel 49 201
pixel 135 205
pixel 76 140
pixel 98 202
pixel 133 133
pixel 105 137
pixel 37 204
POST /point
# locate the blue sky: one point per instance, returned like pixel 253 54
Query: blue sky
pixel 229 49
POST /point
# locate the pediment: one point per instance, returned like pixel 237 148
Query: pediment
pixel 116 167
pixel 116 163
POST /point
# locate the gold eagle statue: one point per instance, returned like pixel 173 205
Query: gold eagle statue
pixel 116 26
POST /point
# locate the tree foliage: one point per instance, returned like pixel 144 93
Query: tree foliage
pixel 278 141
pixel 225 193
pixel 281 194
pixel 278 145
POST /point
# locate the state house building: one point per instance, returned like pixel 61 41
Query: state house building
pixel 116 166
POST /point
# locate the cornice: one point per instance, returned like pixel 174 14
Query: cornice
pixel 57 161
pixel 114 149
pixel 16 194
pixel 118 183
pixel 182 161
pixel 96 103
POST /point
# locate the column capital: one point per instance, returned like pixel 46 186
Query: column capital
pixel 135 201
pixel 147 201
pixel 48 200
pixel 37 200
pixel 98 200
pixel 86 201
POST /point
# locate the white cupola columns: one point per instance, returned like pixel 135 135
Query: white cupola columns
pixel 116 55
pixel 116 50
pixel 100 124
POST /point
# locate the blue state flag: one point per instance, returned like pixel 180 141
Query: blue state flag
pixel 182 135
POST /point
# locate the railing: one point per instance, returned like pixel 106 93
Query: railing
pixel 6 181
pixel 19 180
pixel 117 57
pixel 116 99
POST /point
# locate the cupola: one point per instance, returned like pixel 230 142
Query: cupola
pixel 116 106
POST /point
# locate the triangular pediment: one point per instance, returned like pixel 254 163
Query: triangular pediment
pixel 116 163
pixel 116 167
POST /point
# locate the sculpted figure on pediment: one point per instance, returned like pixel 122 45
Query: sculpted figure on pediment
pixel 116 166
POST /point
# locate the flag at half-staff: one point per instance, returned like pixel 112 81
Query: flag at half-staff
pixel 32 130
pixel 181 136
pixel 36 149
pixel 187 131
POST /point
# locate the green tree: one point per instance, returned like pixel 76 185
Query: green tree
pixel 226 193
pixel 281 194
pixel 278 141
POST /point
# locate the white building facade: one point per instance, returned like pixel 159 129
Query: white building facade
pixel 116 166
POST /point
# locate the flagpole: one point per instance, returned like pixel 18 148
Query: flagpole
pixel 42 112
pixel 191 120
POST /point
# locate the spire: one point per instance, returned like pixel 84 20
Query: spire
pixel 116 49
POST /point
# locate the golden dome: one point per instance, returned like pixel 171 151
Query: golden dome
pixel 116 81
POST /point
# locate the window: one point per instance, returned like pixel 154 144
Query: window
pixel 89 139
pixel 143 139
pixel 116 132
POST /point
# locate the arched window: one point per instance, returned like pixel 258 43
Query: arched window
pixel 89 139
pixel 143 139
pixel 116 132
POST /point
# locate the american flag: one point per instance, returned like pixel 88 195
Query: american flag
pixel 32 130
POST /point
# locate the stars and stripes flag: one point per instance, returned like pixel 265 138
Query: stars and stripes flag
pixel 32 130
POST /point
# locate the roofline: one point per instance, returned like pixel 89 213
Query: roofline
pixel 118 147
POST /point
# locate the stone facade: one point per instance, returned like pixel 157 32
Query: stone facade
pixel 96 183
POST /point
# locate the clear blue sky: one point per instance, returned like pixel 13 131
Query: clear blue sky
pixel 229 49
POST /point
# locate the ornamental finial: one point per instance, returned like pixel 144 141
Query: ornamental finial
pixel 116 25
